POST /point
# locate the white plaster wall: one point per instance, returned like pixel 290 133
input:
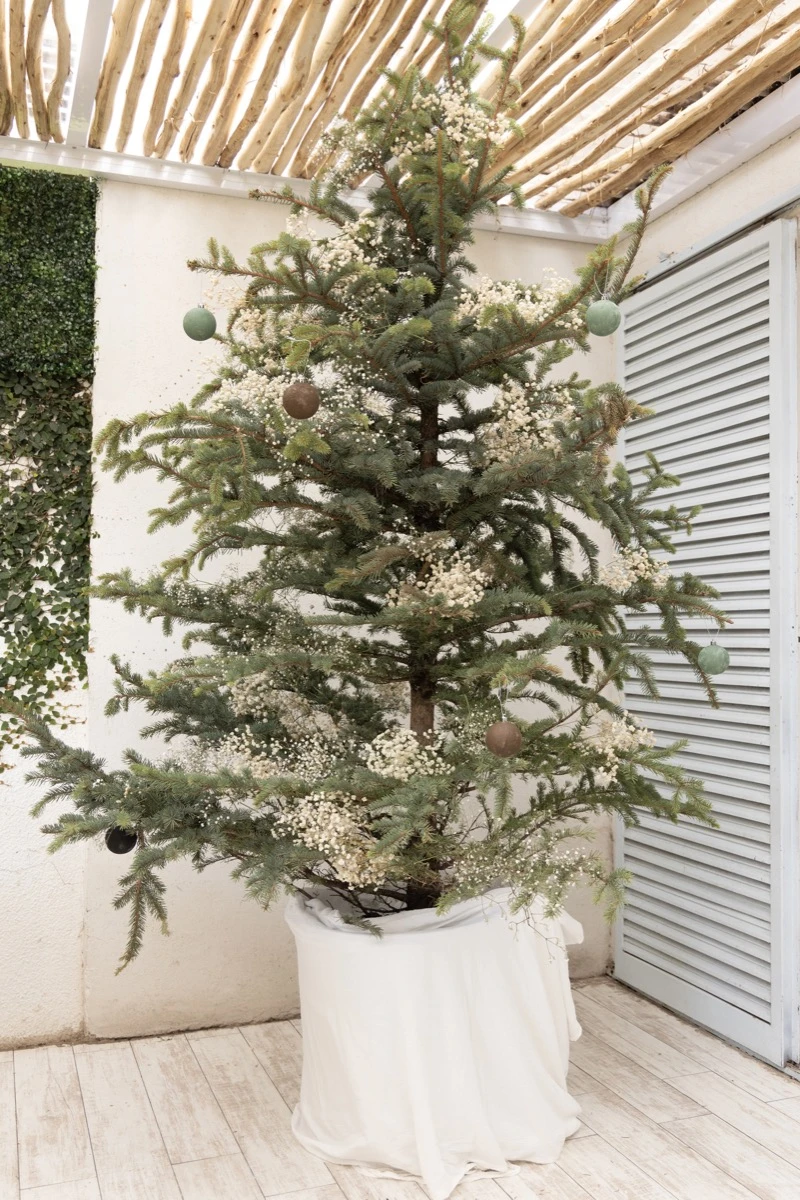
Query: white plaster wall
pixel 727 200
pixel 226 960
pixel 41 921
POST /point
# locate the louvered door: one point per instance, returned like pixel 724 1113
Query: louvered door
pixel 710 925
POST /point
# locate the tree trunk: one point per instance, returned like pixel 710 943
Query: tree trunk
pixel 422 715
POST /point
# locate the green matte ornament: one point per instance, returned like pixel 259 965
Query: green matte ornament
pixel 301 400
pixel 603 317
pixel 199 324
pixel 504 739
pixel 714 659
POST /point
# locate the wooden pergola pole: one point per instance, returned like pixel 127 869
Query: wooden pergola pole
pixel 261 24
pixel 167 74
pixel 261 146
pixel 215 82
pixel 33 66
pixel 279 46
pixel 658 74
pixel 691 126
pixel 63 56
pixel 578 172
pixel 199 56
pixel 141 65
pixel 335 26
pixel 123 28
pixel 16 60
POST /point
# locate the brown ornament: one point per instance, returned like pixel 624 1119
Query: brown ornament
pixel 504 739
pixel 301 400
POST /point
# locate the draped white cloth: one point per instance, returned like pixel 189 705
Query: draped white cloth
pixel 439 1048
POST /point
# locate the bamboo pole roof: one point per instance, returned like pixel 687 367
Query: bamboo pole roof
pixel 608 88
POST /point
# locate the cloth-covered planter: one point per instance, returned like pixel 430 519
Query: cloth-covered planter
pixel 440 1047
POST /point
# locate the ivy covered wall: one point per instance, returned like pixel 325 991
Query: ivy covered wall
pixel 47 336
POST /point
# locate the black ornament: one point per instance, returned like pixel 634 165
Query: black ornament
pixel 301 400
pixel 120 841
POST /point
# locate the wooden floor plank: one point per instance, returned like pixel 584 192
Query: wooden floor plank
pixel 217 1178
pixel 279 1048
pixel 258 1116
pixel 655 1055
pixel 578 1081
pixel 52 1134
pixel 654 1097
pixel 129 1153
pixel 479 1188
pixel 790 1107
pixel 661 1156
pixel 542 1182
pixel 608 1175
pixel 83 1189
pixel 763 1081
pixel 766 1174
pixel 357 1186
pixel 9 1165
pixel 190 1120
pixel 754 1118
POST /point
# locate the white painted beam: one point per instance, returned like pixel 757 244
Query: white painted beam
pixel 132 168
pixel 93 46
pixel 755 130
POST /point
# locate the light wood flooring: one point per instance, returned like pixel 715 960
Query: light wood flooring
pixel 670 1113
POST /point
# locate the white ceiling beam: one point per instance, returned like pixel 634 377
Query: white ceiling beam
pixel 93 48
pixel 134 168
pixel 755 130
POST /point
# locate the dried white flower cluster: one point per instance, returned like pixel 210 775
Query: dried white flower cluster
pixel 525 865
pixel 633 565
pixel 238 752
pixel 525 417
pixel 399 754
pixel 464 121
pixel 455 581
pixel 258 394
pixel 257 695
pixel 353 244
pixel 533 304
pixel 328 822
pixel 616 738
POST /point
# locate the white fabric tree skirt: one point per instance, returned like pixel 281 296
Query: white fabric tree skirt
pixel 439 1048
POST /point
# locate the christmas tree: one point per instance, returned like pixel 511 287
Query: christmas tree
pixel 414 692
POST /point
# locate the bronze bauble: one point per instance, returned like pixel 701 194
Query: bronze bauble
pixel 504 739
pixel 301 400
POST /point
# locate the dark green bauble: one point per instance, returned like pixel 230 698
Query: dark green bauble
pixel 301 400
pixel 199 324
pixel 504 739
pixel 603 317
pixel 714 659
pixel 120 841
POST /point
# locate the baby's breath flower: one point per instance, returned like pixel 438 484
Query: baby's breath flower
pixel 399 754
pixel 615 739
pixel 329 823
pixel 526 417
pixel 633 565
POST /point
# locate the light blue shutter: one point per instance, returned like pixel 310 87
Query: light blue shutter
pixel 710 925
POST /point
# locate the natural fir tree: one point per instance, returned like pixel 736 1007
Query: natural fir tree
pixel 423 553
